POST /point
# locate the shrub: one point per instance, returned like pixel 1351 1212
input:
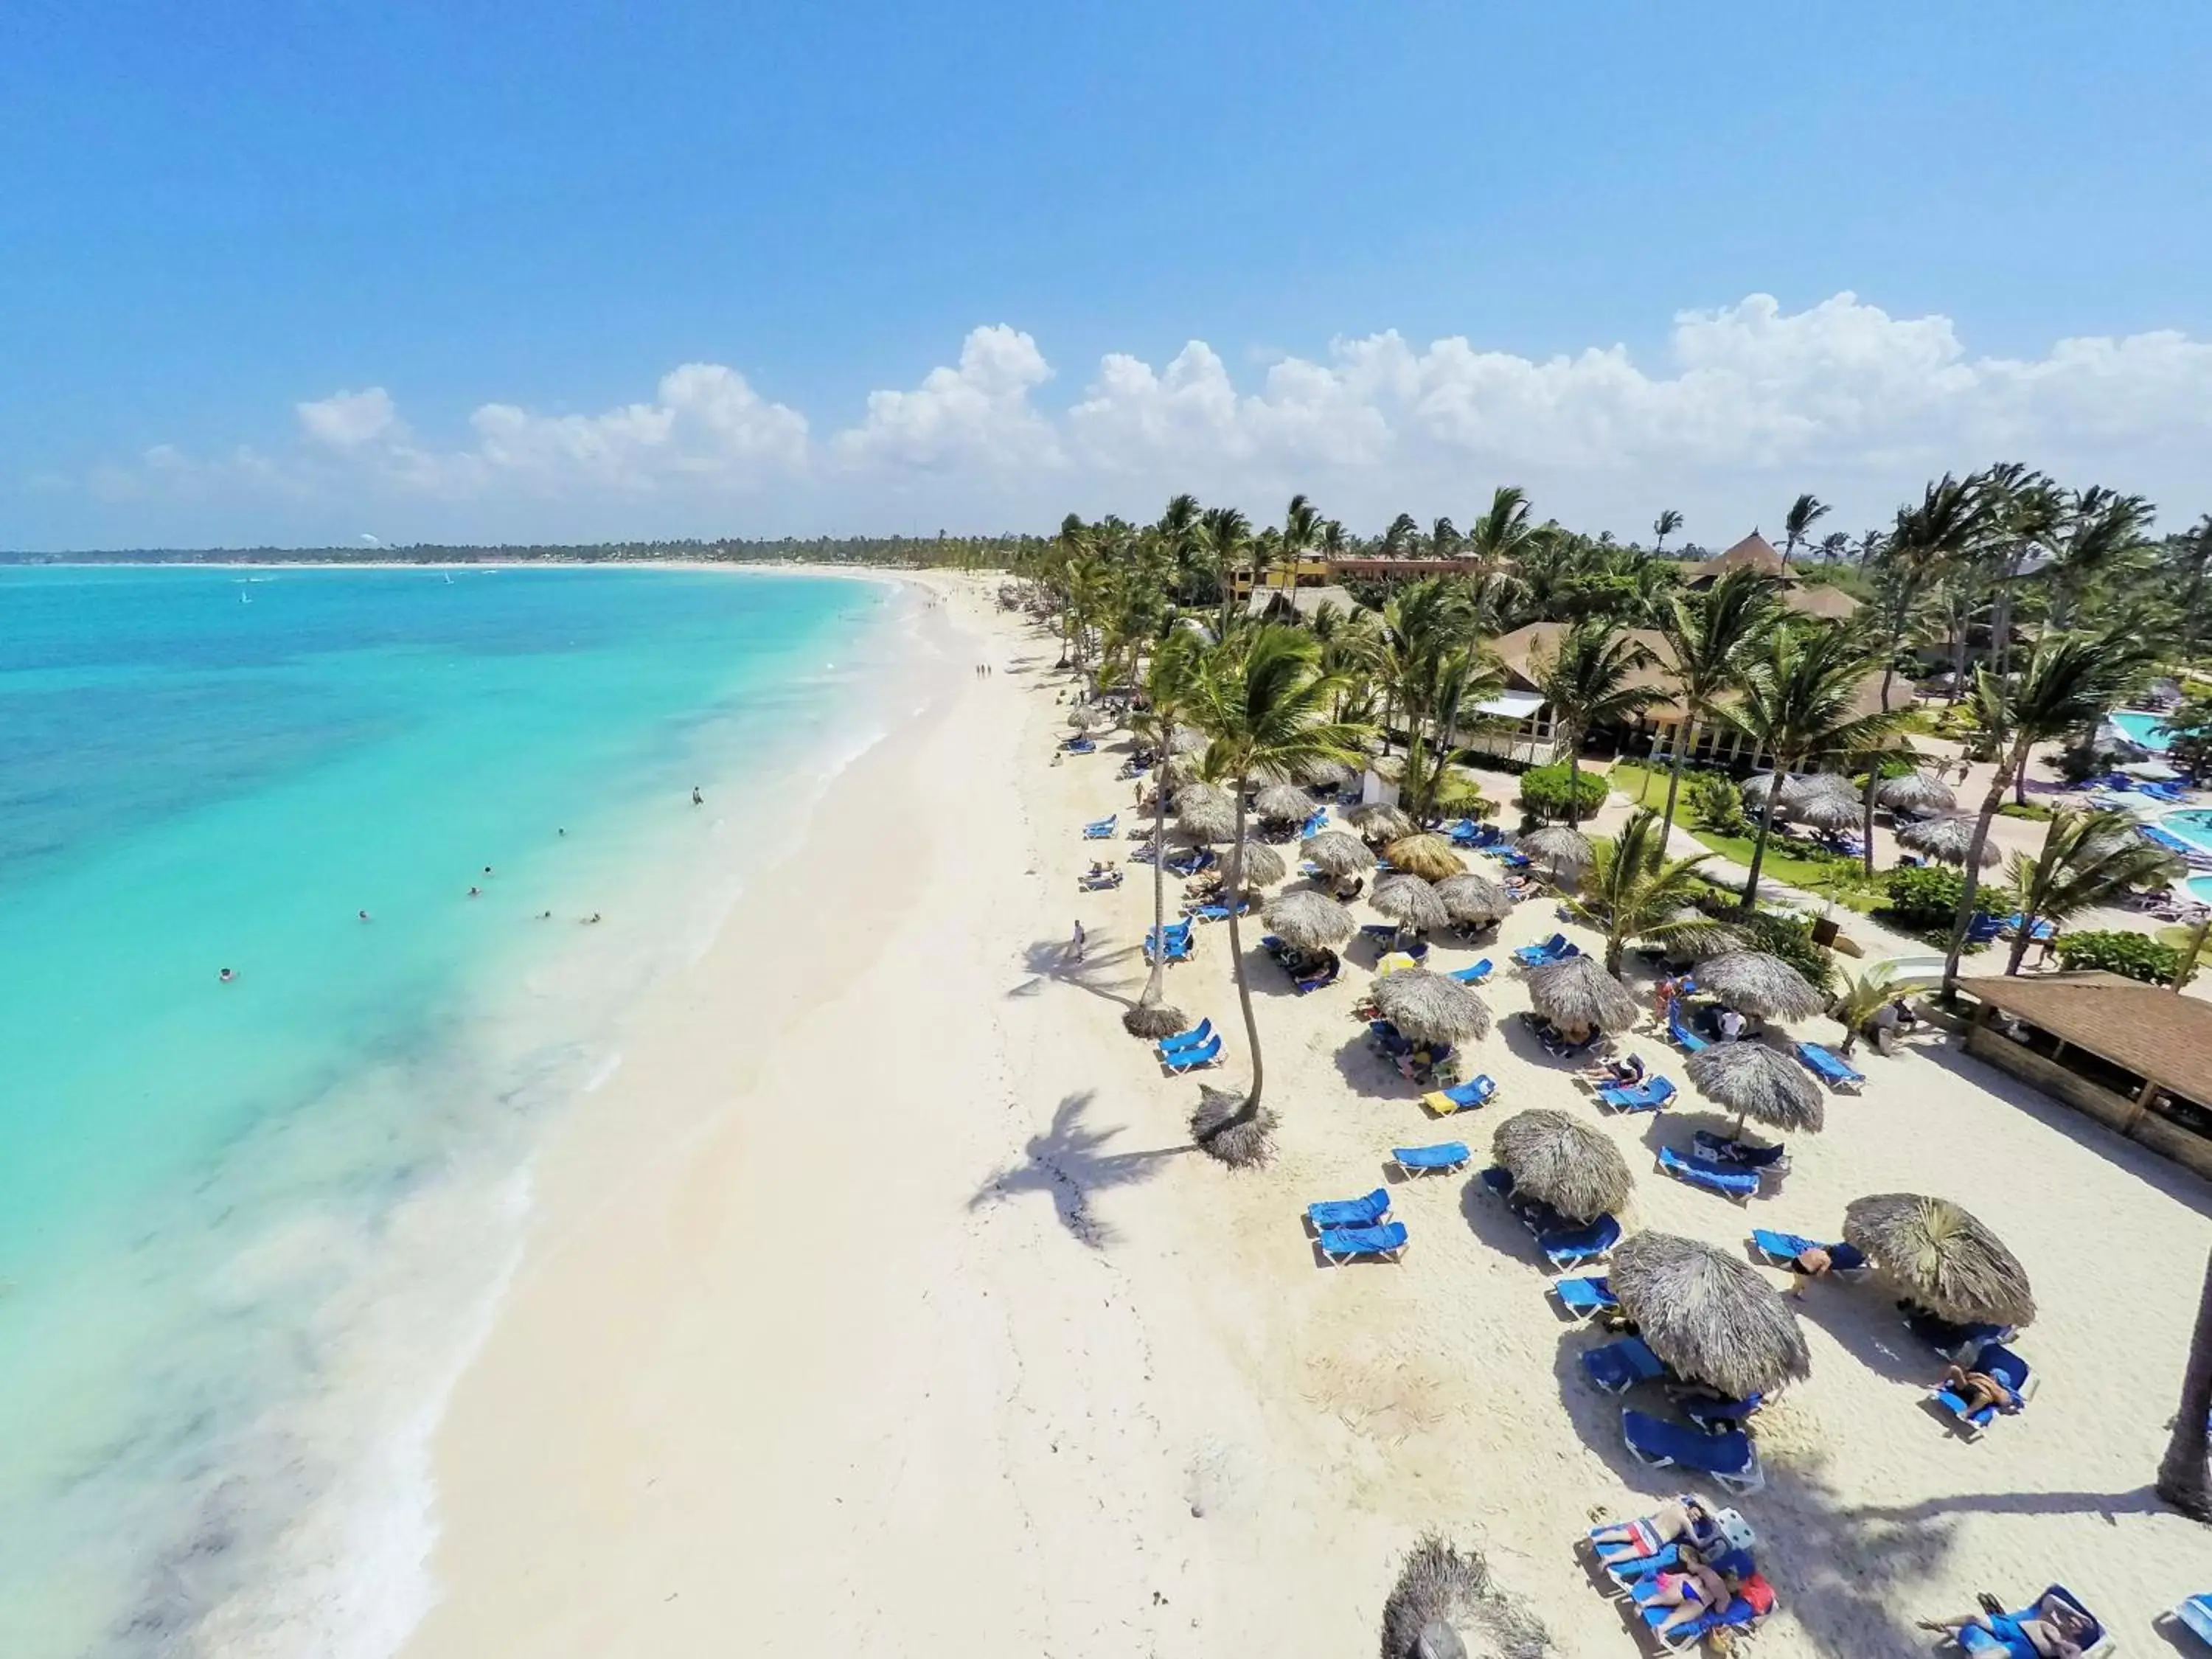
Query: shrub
pixel 1716 805
pixel 2138 955
pixel 1790 937
pixel 2028 809
pixel 1928 896
pixel 1544 791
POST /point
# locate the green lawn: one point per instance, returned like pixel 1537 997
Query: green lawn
pixel 1841 879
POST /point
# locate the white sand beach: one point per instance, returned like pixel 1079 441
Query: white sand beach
pixel 878 1306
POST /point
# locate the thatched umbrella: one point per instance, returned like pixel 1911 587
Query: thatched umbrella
pixel 1566 1162
pixel 1205 813
pixel 1309 921
pixel 1948 1261
pixel 1187 740
pixel 1333 774
pixel 1916 792
pixel 1756 790
pixel 1799 793
pixel 1430 1008
pixel 1474 900
pixel 1283 803
pixel 1825 811
pixel 1560 848
pixel 1428 856
pixel 1752 1080
pixel 1339 855
pixel 1262 865
pixel 1946 838
pixel 1713 1316
pixel 1379 821
pixel 1443 1591
pixel 1409 901
pixel 1177 769
pixel 1085 717
pixel 1754 983
pixel 1579 995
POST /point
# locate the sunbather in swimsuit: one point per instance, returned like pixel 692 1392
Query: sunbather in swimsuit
pixel 2053 1629
pixel 1979 1388
pixel 1685 1517
pixel 1693 1593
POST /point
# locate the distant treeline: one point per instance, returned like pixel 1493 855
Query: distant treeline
pixel 959 552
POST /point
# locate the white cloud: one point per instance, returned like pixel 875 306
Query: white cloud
pixel 1748 405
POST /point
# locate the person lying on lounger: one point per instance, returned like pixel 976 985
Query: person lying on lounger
pixel 1624 1074
pixel 1692 1592
pixel 1685 1517
pixel 2053 1629
pixel 1979 1388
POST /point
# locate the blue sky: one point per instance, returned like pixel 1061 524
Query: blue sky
pixel 217 215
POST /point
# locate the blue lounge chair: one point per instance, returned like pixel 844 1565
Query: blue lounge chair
pixel 2095 1642
pixel 1387 1039
pixel 1742 1155
pixel 1678 1028
pixel 1754 1600
pixel 1466 1097
pixel 1219 912
pixel 1327 976
pixel 1783 1249
pixel 1383 932
pixel 1511 859
pixel 2044 927
pixel 1730 1458
pixel 1649 1096
pixel 1079 746
pixel 1552 949
pixel 1585 1298
pixel 1190 1039
pixel 1342 1244
pixel 1723 1182
pixel 1713 1415
pixel 2195 1616
pixel 1500 1180
pixel 1998 1361
pixel 2171 794
pixel 1207 1053
pixel 1342 1212
pixel 1571 1247
pixel 1314 824
pixel 1557 1046
pixel 1102 828
pixel 1178 946
pixel 1439 1159
pixel 1954 1342
pixel 1473 976
pixel 1982 929
pixel 1105 881
pixel 1831 1067
pixel 1620 1366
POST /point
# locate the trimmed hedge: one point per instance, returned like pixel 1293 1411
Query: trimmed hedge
pixel 1928 896
pixel 1544 791
pixel 2138 955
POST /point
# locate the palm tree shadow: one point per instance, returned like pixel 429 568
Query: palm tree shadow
pixel 1051 959
pixel 1069 1162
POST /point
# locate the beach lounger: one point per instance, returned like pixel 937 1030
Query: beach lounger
pixel 1190 1039
pixel 1649 1096
pixel 1473 976
pixel 2094 1644
pixel 1754 1600
pixel 1713 1414
pixel 1340 1244
pixel 1327 976
pixel 2045 928
pixel 1387 1039
pixel 1708 1146
pixel 1585 1298
pixel 1552 949
pixel 1179 947
pixel 1982 929
pixel 1995 1360
pixel 1730 1458
pixel 1620 1366
pixel 1383 932
pixel 1101 829
pixel 1511 859
pixel 1953 1342
pixel 1079 746
pixel 1344 1213
pixel 2171 794
pixel 1783 1249
pixel 1314 825
pixel 1475 1092
pixel 1558 1047
pixel 2195 1616
pixel 1571 1247
pixel 1219 912
pixel 1678 1028
pixel 1207 1053
pixel 1439 1159
pixel 1831 1067
pixel 1103 882
pixel 1723 1182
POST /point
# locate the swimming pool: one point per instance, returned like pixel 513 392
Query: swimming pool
pixel 2193 828
pixel 2200 889
pixel 2144 730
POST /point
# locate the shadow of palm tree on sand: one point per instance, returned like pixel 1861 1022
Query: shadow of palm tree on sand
pixel 1069 1162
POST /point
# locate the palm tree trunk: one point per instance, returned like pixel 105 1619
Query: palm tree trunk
pixel 2019 953
pixel 1990 802
pixel 1866 822
pixel 2182 1478
pixel 1250 1108
pixel 1574 779
pixel 1152 980
pixel 1682 735
pixel 1759 847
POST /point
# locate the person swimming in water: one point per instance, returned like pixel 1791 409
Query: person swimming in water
pixel 591 918
pixel 475 892
pixel 226 977
pixel 697 800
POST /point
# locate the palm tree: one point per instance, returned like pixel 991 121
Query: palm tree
pixel 1833 546
pixel 1169 680
pixel 1633 890
pixel 1402 533
pixel 1502 531
pixel 1443 538
pixel 1804 513
pixel 1800 700
pixel 1952 517
pixel 1262 702
pixel 1664 526
pixel 1861 999
pixel 1590 680
pixel 2104 532
pixel 2087 857
pixel 1227 535
pixel 1456 680
pixel 2068 684
pixel 2183 1480
pixel 1709 637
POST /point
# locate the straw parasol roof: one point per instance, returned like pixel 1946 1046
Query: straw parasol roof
pixel 1309 921
pixel 1086 717
pixel 1756 789
pixel 1474 899
pixel 1337 853
pixel 1799 793
pixel 1825 809
pixel 1205 813
pixel 1430 1008
pixel 1283 803
pixel 1752 1080
pixel 1754 983
pixel 1178 769
pixel 1564 1161
pixel 1712 1316
pixel 1945 838
pixel 1262 865
pixel 1578 994
pixel 1429 857
pixel 1187 740
pixel 1379 821
pixel 1558 846
pixel 1916 792
pixel 1336 773
pixel 1409 901
pixel 1945 1259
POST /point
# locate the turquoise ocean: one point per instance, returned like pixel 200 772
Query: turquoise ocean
pixel 250 1231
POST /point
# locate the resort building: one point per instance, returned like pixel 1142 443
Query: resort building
pixel 1755 552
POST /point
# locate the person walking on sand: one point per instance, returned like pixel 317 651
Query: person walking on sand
pixel 1075 942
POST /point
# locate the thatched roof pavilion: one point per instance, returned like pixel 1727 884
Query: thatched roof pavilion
pixel 1918 792
pixel 1947 839
pixel 1428 856
pixel 1557 848
pixel 1380 821
pixel 1282 803
pixel 1474 900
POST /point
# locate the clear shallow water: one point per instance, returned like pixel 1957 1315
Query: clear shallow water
pixel 2193 827
pixel 248 1231
pixel 2145 731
